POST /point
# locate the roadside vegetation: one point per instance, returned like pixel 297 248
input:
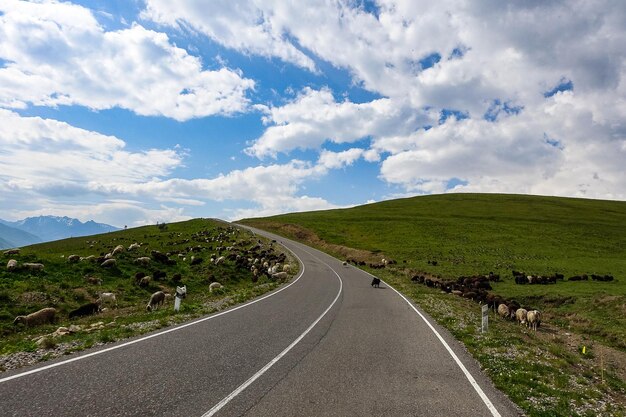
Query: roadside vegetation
pixel 179 254
pixel 575 364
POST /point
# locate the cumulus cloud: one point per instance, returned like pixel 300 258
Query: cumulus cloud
pixel 315 117
pixel 58 54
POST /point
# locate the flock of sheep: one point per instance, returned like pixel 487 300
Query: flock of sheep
pixel 260 259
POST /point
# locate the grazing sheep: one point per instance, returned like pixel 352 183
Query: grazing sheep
pixel 145 281
pixel 376 282
pixel 521 315
pixel 107 297
pixel 118 249
pixel 45 315
pixel 33 266
pixel 219 260
pixel 533 318
pixel 93 280
pixel 280 275
pixel 503 311
pixel 73 258
pixel 109 263
pixel 12 252
pixel 144 260
pixel 11 265
pixel 215 286
pixel 155 300
pixel 134 246
pixel 85 310
pixel 87 258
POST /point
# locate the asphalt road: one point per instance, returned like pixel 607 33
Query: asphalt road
pixel 326 345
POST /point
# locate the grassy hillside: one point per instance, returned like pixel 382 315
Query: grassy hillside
pixel 455 235
pixel 67 285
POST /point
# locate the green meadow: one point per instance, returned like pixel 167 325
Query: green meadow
pixel 468 234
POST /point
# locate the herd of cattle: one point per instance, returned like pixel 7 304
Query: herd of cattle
pixel 260 259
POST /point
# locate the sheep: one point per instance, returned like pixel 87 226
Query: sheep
pixel 144 260
pixel 107 297
pixel 11 265
pixel 533 318
pixel 118 249
pixel 376 282
pixel 219 260
pixel 134 246
pixel 73 258
pixel 521 315
pixel 12 252
pixel 280 275
pixel 93 280
pixel 215 286
pixel 33 266
pixel 85 310
pixel 503 311
pixel 45 315
pixel 145 281
pixel 87 258
pixel 109 263
pixel 155 300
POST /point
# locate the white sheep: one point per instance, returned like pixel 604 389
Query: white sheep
pixel 33 266
pixel 287 268
pixel 109 263
pixel 144 260
pixel 155 300
pixel 73 258
pixel 521 315
pixel 87 258
pixel 533 319
pixel 503 311
pixel 45 315
pixel 12 264
pixel 134 246
pixel 215 286
pixel 118 249
pixel 107 297
pixel 280 275
pixel 12 252
pixel 219 260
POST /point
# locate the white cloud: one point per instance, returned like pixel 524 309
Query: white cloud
pixel 58 54
pixel 336 160
pixel 314 117
pixel 51 167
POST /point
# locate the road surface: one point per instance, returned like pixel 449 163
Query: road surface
pixel 328 344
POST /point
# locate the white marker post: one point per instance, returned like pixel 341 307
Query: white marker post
pixel 177 303
pixel 485 322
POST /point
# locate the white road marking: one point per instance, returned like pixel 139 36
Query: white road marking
pixel 217 407
pixel 468 375
pixel 132 342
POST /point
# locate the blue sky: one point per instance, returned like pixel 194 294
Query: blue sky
pixel 133 112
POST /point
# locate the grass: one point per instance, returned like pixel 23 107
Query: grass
pixel 65 286
pixel 467 234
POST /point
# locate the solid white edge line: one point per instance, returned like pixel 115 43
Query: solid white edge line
pixel 217 407
pixel 132 342
pixel 468 375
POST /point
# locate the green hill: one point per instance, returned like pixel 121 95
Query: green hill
pixel 578 358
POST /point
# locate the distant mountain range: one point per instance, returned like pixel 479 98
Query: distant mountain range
pixel 46 228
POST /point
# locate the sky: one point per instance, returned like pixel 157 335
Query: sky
pixel 132 112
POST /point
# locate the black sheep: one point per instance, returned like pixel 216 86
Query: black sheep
pixel 85 310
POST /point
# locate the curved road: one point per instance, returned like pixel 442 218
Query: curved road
pixel 328 344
